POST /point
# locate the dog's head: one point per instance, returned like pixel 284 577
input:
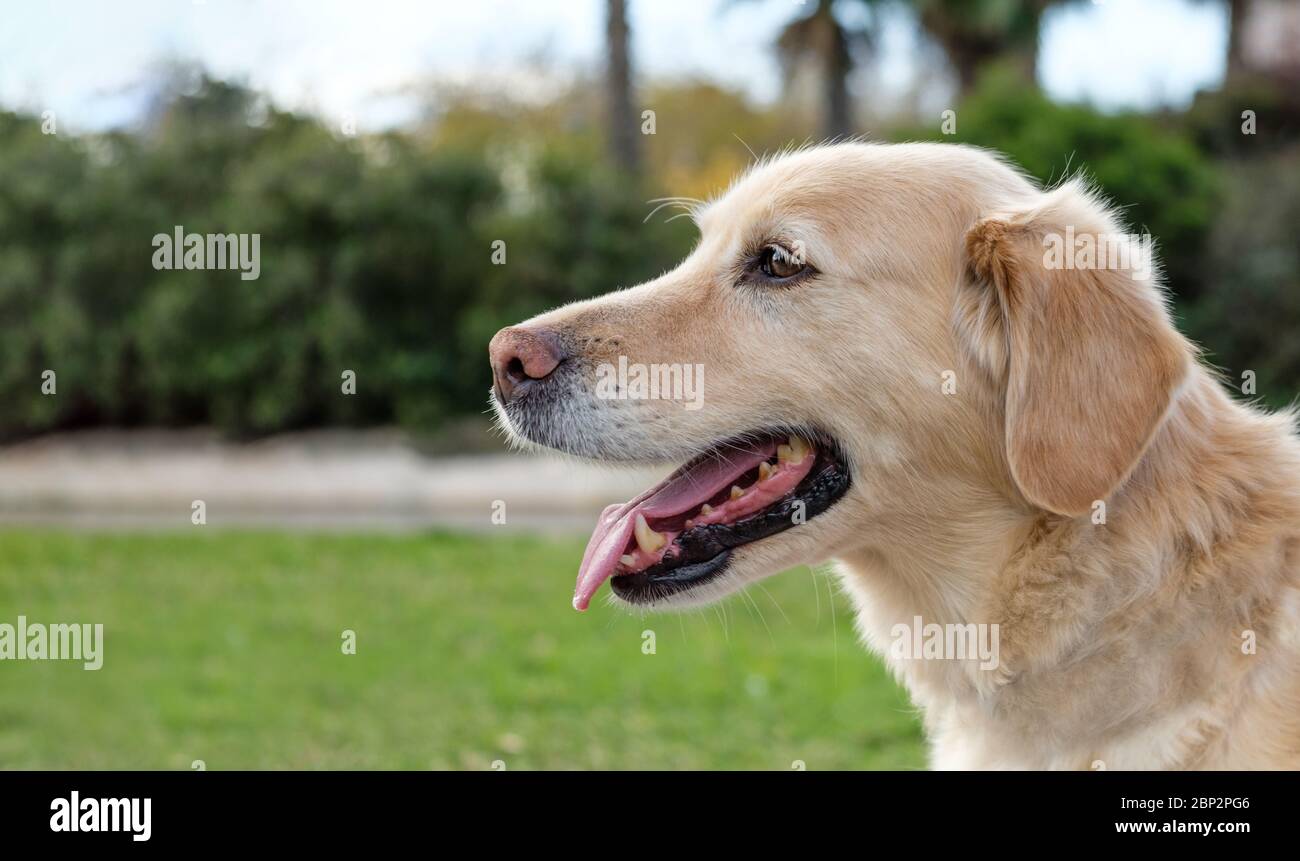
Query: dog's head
pixel 864 336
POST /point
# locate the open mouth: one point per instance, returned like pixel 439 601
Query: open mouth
pixel 680 533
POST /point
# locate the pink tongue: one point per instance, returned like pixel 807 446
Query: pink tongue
pixel 683 491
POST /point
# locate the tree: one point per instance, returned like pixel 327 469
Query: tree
pixel 820 37
pixel 621 114
pixel 1238 11
pixel 975 32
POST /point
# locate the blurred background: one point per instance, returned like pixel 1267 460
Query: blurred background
pixel 384 151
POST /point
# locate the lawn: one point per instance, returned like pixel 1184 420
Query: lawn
pixel 226 647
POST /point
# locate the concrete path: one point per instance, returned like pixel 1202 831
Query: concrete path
pixel 319 480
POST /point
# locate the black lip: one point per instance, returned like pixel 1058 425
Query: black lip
pixel 644 587
pixel 704 551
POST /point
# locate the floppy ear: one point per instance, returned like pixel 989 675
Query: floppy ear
pixel 1092 361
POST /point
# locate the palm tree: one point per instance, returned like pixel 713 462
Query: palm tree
pixel 1238 11
pixel 974 32
pixel 621 112
pixel 820 37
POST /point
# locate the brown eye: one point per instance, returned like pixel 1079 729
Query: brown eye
pixel 778 264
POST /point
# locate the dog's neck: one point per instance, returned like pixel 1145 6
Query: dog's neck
pixel 1072 598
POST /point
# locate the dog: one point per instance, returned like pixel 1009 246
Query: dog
pixel 907 376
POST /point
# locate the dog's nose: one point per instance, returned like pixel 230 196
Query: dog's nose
pixel 521 356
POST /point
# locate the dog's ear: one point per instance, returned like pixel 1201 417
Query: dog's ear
pixel 1090 357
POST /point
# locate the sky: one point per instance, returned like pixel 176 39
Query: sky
pixel 90 61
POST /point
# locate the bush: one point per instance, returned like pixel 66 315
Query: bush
pixel 1250 313
pixel 376 258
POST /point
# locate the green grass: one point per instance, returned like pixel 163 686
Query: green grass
pixel 225 647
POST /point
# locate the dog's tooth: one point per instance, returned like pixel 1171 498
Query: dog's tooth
pixel 706 509
pixel 646 538
pixel 798 449
pixel 784 453
pixel 764 471
pixel 627 560
pixel 690 524
pixel 736 492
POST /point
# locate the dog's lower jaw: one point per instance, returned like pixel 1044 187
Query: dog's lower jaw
pixel 750 564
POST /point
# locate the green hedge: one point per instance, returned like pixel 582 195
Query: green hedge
pixel 376 256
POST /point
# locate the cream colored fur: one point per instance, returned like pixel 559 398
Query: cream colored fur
pixel 1122 644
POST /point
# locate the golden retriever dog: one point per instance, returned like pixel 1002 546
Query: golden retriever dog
pixel 966 390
